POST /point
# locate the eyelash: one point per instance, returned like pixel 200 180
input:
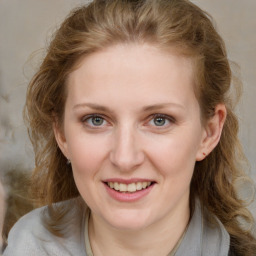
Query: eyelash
pixel 170 119
pixel 88 117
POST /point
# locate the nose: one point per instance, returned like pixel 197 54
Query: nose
pixel 127 153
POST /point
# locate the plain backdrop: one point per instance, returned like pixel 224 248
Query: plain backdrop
pixel 26 27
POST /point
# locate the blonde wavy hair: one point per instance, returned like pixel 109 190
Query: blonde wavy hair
pixel 165 24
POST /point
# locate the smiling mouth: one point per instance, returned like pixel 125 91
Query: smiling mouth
pixel 129 188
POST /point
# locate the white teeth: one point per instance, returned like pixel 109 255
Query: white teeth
pixel 132 187
pixel 116 186
pixel 139 186
pixel 122 187
pixel 144 184
pixel 111 184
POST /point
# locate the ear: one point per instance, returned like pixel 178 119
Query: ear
pixel 212 132
pixel 60 138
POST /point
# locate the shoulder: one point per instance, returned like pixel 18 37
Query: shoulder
pixel 26 235
pixel 29 236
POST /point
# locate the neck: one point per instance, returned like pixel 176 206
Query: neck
pixel 157 239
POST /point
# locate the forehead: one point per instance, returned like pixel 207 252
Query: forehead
pixel 140 70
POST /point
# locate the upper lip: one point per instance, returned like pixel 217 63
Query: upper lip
pixel 127 181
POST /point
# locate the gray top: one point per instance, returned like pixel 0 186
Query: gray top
pixel 29 236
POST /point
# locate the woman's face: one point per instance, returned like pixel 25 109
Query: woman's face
pixel 133 133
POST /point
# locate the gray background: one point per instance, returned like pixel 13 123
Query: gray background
pixel 25 25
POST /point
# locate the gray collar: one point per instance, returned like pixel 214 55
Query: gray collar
pixel 203 238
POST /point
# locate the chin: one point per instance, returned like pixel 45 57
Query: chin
pixel 128 220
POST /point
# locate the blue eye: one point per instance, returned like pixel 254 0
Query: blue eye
pixel 161 120
pixel 94 120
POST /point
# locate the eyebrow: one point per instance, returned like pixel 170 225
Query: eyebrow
pixel 162 105
pixel 91 105
pixel 146 108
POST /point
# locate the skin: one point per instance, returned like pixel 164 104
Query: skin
pixel 128 87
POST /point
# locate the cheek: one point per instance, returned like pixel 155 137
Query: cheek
pixel 175 155
pixel 87 158
pixel 87 153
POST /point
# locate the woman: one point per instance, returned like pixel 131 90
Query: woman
pixel 135 138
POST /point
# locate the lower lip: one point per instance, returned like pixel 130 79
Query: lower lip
pixel 126 196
